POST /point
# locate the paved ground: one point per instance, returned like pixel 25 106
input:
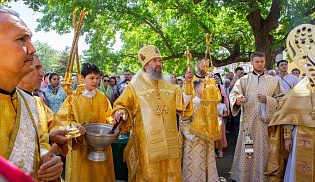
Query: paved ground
pixel 224 164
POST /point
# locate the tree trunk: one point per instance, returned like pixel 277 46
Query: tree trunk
pixel 261 28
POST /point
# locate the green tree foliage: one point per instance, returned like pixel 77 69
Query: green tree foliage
pixel 48 56
pixel 239 27
pixel 53 60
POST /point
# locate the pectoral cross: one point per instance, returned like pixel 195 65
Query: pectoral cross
pixel 159 110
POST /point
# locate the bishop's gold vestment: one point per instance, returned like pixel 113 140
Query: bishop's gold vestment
pixel 295 108
pixel 244 169
pixel 152 153
pixel 18 136
pixel 78 167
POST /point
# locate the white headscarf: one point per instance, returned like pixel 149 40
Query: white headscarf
pixel 50 86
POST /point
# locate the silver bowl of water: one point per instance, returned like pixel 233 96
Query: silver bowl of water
pixel 98 137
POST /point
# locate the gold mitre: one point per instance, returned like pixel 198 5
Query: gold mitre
pixel 301 48
pixel 147 53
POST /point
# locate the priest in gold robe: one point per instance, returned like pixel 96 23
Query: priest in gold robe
pixel 260 94
pixel 21 137
pixel 48 120
pixel 90 107
pixel 292 130
pixel 148 106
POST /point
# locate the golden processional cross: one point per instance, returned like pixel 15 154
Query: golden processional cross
pixel 188 55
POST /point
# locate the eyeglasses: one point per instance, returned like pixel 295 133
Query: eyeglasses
pixel 105 80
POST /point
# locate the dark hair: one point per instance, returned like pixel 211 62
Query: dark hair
pixel 127 71
pixel 256 54
pixel 296 69
pixel 52 74
pixel 101 73
pixel 197 83
pixel 219 75
pixel 89 68
pixel 127 80
pixel 239 68
pixel 47 74
pixel 104 77
pixel 278 63
pixel 113 77
pixel 4 9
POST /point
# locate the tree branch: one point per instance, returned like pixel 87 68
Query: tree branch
pixel 156 29
pixel 234 58
pixel 271 21
pixel 310 12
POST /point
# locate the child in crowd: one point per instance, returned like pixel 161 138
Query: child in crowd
pixel 222 143
pixel 91 106
pixel 198 156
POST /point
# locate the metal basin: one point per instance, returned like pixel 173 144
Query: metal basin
pixel 98 138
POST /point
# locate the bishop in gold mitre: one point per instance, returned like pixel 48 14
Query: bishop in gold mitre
pixel 148 106
pixel 292 128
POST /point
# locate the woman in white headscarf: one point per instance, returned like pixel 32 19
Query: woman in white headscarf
pixel 54 94
pixel 272 73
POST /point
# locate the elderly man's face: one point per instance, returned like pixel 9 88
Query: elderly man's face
pixel 34 78
pixel 16 50
pixel 227 84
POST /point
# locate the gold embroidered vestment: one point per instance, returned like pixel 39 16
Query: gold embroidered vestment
pixel 151 109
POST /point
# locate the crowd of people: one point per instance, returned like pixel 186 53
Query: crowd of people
pixel 172 137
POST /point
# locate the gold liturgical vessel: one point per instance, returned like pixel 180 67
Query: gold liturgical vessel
pixel 67 84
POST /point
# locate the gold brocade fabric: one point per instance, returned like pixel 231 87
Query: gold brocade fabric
pixel 294 109
pixel 14 137
pixel 153 130
pixel 78 166
pixel 205 123
pixel 304 154
pixel 244 169
pixel 197 154
pixel 49 122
